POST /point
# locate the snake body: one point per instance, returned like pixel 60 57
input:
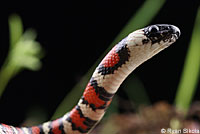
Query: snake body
pixel 122 59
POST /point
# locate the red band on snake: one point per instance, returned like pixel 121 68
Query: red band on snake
pixel 123 58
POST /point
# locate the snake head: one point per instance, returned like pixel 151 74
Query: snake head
pixel 149 41
pixel 164 33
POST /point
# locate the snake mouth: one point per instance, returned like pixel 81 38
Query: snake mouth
pixel 162 32
pixel 173 38
pixel 174 33
pixel 170 38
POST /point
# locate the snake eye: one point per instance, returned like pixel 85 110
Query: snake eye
pixel 153 29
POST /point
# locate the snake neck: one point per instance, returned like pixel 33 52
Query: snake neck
pixel 105 81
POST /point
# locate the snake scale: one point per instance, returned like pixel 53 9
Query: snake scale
pixel 122 59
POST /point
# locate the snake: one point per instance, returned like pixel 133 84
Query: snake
pixel 120 61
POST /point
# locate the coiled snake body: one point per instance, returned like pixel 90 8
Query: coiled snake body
pixel 124 57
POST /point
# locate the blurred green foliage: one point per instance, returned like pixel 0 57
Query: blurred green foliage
pixel 191 70
pixel 24 52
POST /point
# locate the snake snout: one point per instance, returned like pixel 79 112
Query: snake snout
pixel 176 31
pixel 162 32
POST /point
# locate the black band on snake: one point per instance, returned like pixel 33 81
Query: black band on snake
pixel 122 59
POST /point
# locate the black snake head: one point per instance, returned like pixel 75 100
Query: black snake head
pixel 162 33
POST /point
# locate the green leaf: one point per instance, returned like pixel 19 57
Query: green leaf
pixel 135 90
pixel 191 70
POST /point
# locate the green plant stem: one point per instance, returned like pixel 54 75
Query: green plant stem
pixel 191 70
pixel 6 73
pixel 135 90
pixel 16 29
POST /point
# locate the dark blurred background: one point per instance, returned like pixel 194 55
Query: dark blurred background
pixel 73 35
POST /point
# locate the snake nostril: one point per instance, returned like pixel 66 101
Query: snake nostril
pixel 178 34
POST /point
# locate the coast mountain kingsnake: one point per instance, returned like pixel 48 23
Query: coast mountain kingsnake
pixel 124 57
